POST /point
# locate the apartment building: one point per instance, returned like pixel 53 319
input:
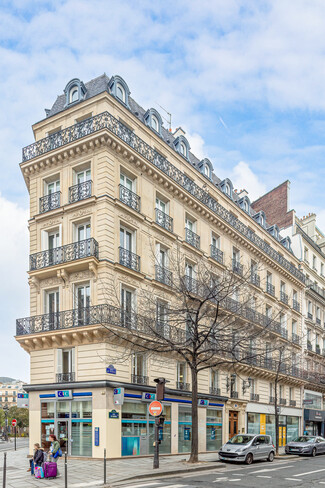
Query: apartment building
pixel 9 393
pixel 108 184
pixel 308 245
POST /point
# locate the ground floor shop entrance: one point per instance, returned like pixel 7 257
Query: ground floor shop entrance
pixel 233 423
pixel 71 422
pixel 261 423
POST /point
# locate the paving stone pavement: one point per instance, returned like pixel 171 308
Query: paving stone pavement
pixel 89 473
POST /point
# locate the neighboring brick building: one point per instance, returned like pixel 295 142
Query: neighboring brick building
pixel 275 205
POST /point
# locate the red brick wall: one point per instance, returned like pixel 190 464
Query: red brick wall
pixel 275 204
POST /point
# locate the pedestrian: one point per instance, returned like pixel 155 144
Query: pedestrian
pixel 37 459
pixel 54 450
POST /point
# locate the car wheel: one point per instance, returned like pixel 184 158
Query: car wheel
pixel 271 457
pixel 313 452
pixel 249 459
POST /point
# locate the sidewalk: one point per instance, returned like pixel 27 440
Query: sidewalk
pixel 84 474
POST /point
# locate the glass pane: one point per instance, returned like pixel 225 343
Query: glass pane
pixel 81 409
pixel 184 429
pixel 63 435
pixel 47 410
pixel 81 436
pixel 63 410
pixel 47 429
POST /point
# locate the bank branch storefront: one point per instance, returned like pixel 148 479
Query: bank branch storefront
pixel 87 421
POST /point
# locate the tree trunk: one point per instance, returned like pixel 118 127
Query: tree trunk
pixel 194 458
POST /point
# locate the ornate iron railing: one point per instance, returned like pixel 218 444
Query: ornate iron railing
pixel 49 202
pixel 192 238
pixel 180 385
pixel 65 377
pixel 191 284
pixel 164 220
pixel 129 259
pixel 216 254
pixel 284 297
pixel 270 289
pixel 255 397
pixel 282 401
pixel 139 379
pixel 255 279
pixel 292 403
pixel 64 254
pixel 215 391
pixel 130 198
pixel 318 321
pixel 106 121
pixel 234 394
pixel 295 338
pixel 309 346
pixel 163 275
pixel 81 191
pixel 237 267
pixel 296 305
pixel 310 316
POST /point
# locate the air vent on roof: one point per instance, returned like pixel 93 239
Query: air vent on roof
pixel 137 114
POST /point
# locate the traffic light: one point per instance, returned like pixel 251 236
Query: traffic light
pixel 160 388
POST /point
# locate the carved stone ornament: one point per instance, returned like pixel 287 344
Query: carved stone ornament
pixel 51 223
pixel 81 213
pixel 81 275
pixel 51 282
pixel 129 219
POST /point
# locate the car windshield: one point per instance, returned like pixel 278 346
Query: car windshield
pixel 241 439
pixel 304 438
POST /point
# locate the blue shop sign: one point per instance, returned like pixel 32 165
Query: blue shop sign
pixel 64 394
pixel 97 436
pixel 110 369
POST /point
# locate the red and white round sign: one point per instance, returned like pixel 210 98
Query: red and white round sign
pixel 155 408
pixel 14 422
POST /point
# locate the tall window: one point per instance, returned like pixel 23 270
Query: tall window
pixel 127 306
pixel 53 239
pixel 126 239
pixel 74 94
pixel 154 123
pixel 306 254
pixel 215 241
pixel 66 363
pixel 189 224
pixel 161 205
pixel 314 262
pixel 269 278
pixel 127 182
pixel 83 231
pixel 52 187
pixel 82 298
pixel 189 270
pixel 214 378
pixel 322 269
pixel 83 176
pixel 294 327
pixel 52 307
pixel 182 148
pixel 181 372
pixel 120 92
pixel 235 255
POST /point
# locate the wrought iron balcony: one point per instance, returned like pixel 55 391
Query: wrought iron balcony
pixel 272 399
pixel 296 305
pixel 234 394
pixel 270 289
pixel 282 401
pixel 192 238
pixel 295 338
pixel 215 391
pixel 49 202
pixel 292 403
pixel 216 254
pixel 180 385
pixel 284 297
pixel 129 259
pixel 191 285
pixel 163 328
pixel 64 254
pixel 106 121
pixel 139 379
pixel 65 377
pixel 255 279
pixel 163 275
pixel 309 346
pixel 237 267
pixel 81 191
pixel 318 321
pixel 164 220
pixel 255 397
pixel 129 198
pixel 310 316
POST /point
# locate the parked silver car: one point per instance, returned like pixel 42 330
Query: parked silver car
pixel 306 445
pixel 248 448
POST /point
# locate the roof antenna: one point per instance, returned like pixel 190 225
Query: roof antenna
pixel 169 119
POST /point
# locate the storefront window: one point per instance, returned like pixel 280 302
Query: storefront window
pixel 81 410
pixel 63 410
pixel 292 428
pixel 164 433
pixel 270 426
pixel 184 428
pixel 316 400
pixel 253 423
pixel 214 429
pixel 81 433
pixel 47 410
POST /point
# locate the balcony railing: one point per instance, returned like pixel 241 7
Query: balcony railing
pixel 49 202
pixel 163 328
pixel 234 394
pixel 237 267
pixel 191 284
pixel 106 121
pixel 65 377
pixel 255 279
pixel 318 321
pixel 139 379
pixel 292 403
pixel 81 191
pixel 180 385
pixel 309 346
pixel 310 316
pixel 270 289
pixel 272 399
pixel 129 198
pixel 295 338
pixel 64 254
pixel 296 305
pixel 255 397
pixel 282 401
pixel 284 297
pixel 215 391
pixel 164 220
pixel 192 238
pixel 216 254
pixel 163 275
pixel 129 259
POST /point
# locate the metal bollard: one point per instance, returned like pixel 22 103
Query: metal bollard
pixel 65 470
pixel 4 470
pixel 104 466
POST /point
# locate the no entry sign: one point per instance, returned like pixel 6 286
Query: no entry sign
pixel 14 422
pixel 155 408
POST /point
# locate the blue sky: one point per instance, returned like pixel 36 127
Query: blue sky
pixel 245 80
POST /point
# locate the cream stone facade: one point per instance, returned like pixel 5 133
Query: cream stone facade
pixel 108 186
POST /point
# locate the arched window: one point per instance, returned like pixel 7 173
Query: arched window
pixel 207 171
pixel 227 189
pixel 119 89
pixel 182 148
pixel 74 96
pixel 246 205
pixel 74 91
pixel 154 123
pixel 120 92
pixel 262 220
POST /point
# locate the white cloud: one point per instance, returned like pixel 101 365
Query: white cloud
pixel 243 178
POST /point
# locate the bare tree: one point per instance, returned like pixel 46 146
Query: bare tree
pixel 210 320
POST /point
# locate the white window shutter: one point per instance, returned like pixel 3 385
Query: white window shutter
pixel 59 361
pixel 73 360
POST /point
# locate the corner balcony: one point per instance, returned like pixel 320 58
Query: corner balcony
pixel 63 254
pixel 216 254
pixel 130 199
pixel 129 259
pixel 163 275
pixel 164 220
pixel 296 305
pixel 65 377
pixel 215 391
pixel 49 202
pixel 79 192
pixel 255 279
pixel 192 238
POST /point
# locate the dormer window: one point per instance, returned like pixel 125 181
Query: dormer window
pixel 74 94
pixel 182 146
pixel 274 231
pixel 119 89
pixel 244 203
pixel 74 91
pixel 154 123
pixel 227 187
pixel 153 120
pixel 207 171
pixel 260 218
pixel 120 92
pixel 206 168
